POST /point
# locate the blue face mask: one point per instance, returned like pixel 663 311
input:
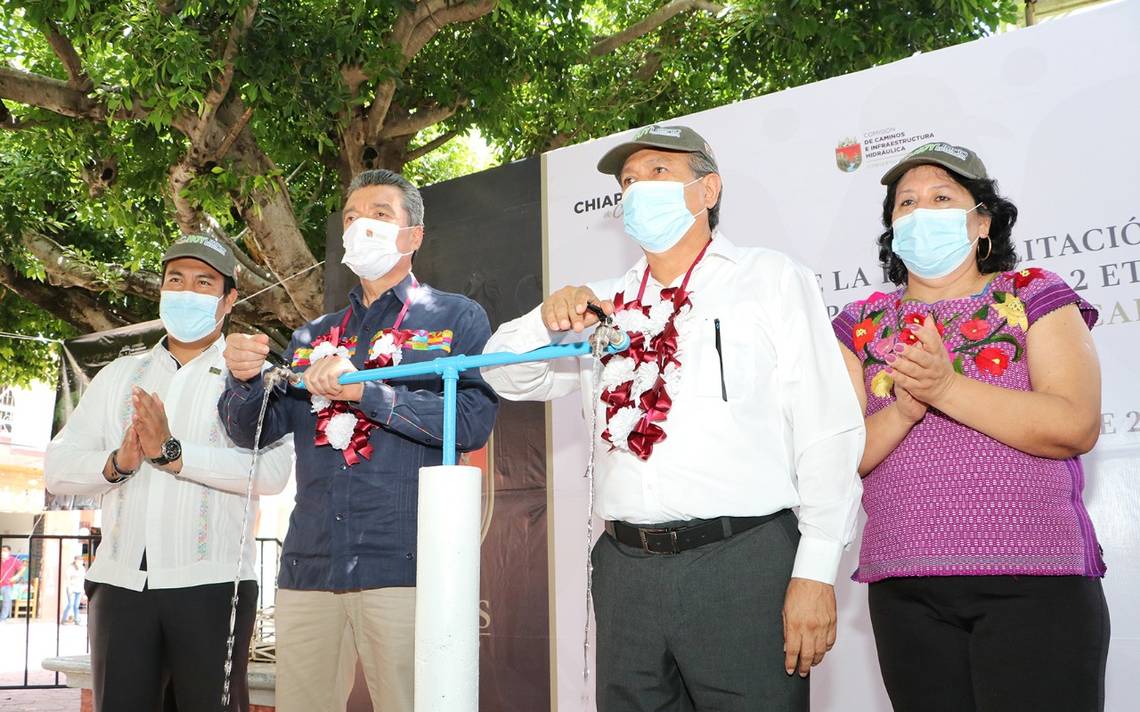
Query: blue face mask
pixel 655 214
pixel 188 316
pixel 932 243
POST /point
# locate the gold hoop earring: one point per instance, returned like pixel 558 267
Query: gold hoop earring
pixel 989 246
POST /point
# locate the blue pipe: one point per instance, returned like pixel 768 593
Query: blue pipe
pixel 449 368
pixel 450 380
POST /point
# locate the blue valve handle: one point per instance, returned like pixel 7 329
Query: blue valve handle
pixel 449 368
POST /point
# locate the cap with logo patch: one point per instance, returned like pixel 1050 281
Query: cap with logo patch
pixel 669 138
pixel 202 247
pixel 956 159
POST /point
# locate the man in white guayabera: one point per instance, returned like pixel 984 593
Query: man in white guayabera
pixel 147 437
pixel 731 408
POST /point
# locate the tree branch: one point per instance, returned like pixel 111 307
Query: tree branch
pixel 77 307
pixel 430 145
pixel 413 29
pixel 353 76
pixel 65 270
pixel 57 96
pixel 423 118
pixel 67 273
pixel 67 55
pixel 434 16
pixel 233 133
pixel 651 22
pixel 257 278
pixel 186 213
pixel 8 122
pixel 218 92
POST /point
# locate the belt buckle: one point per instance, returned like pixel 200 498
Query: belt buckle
pixel 645 543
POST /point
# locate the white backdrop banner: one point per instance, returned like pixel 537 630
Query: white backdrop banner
pixel 1053 111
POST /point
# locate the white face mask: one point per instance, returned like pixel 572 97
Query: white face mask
pixel 370 249
pixel 188 316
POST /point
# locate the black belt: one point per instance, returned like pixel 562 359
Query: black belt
pixel 674 540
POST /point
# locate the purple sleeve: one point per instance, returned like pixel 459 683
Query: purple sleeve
pixel 1050 293
pixel 844 326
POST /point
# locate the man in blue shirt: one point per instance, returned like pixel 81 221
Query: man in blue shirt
pixel 348 569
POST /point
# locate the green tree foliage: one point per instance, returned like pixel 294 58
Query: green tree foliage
pixel 125 123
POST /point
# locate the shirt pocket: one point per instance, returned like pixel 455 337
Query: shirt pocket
pixel 727 358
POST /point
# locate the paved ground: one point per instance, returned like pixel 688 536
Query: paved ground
pixel 37 641
pixel 39 700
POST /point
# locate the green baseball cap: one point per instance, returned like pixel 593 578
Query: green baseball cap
pixel 956 159
pixel 207 249
pixel 669 138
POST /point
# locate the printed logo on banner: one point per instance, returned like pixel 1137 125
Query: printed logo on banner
pixel 849 155
pixel 598 202
pixel 878 147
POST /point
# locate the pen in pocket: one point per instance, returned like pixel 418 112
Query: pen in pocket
pixel 720 360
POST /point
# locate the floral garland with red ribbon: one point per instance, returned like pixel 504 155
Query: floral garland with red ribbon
pixel 339 424
pixel 637 383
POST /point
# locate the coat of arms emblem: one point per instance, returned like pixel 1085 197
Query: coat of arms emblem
pixel 849 155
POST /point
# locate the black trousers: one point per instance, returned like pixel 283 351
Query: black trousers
pixel 991 643
pixel 700 630
pixel 174 640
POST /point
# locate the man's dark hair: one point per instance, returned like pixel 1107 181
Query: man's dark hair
pixel 229 284
pixel 701 167
pixel 1000 255
pixel 413 201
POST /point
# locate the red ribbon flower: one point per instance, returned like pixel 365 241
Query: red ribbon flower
pixel 975 329
pixel 992 360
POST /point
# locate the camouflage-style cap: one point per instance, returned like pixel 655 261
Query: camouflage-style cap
pixel 956 159
pixel 669 138
pixel 202 247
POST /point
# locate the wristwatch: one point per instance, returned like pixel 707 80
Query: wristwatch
pixel 170 451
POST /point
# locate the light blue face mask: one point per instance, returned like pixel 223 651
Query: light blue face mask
pixel 932 243
pixel 655 214
pixel 188 316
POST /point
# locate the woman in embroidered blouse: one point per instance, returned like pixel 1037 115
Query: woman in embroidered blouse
pixel 981 388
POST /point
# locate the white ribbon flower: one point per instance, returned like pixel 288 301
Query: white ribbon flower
pixel 339 430
pixel 384 345
pixel 659 315
pixel 622 424
pixel 631 320
pixel 644 378
pixel 683 315
pixel 617 371
pixel 319 403
pixel 325 349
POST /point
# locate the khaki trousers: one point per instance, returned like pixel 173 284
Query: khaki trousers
pixel 321 634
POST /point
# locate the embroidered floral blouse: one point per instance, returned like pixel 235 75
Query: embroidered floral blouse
pixel 950 500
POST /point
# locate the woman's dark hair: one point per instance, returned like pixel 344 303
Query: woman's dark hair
pixel 1001 256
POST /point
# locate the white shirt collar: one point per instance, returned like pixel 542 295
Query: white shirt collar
pixel 721 247
pixel 218 345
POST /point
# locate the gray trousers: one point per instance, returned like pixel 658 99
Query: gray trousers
pixel 697 631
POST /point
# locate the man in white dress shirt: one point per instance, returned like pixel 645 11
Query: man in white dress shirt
pixel 147 437
pixel 731 408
